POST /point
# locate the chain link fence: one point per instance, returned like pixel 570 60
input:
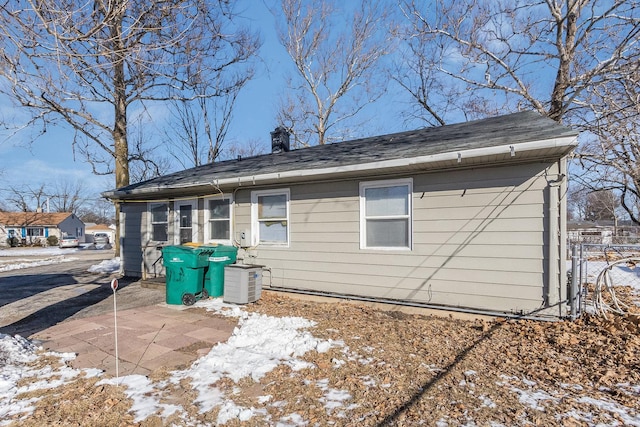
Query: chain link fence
pixel 595 271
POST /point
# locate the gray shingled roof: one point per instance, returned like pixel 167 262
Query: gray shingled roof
pixel 512 129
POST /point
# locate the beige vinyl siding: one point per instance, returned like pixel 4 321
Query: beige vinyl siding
pixel 479 241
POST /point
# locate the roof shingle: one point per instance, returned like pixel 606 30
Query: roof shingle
pixel 33 218
pixel 511 129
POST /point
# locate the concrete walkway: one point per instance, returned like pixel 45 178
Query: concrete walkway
pixel 149 338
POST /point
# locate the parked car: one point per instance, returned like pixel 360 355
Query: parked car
pixel 101 238
pixel 69 242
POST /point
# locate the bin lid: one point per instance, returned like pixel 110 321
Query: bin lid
pixel 186 250
pixel 222 249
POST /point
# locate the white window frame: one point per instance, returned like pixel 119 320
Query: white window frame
pixel 207 219
pixel 194 219
pixel 255 221
pixel 35 231
pixel 150 206
pixel 408 182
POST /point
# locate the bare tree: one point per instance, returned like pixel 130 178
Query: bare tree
pixel 66 196
pixel 248 149
pixel 602 205
pixel 27 198
pixel 576 202
pixel 497 55
pixel 149 162
pixel 610 158
pixel 99 211
pixel 202 125
pixel 18 198
pixel 575 61
pixel 68 60
pixel 335 53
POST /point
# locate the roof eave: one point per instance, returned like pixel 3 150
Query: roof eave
pixel 549 148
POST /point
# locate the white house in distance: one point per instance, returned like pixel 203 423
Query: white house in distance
pixel 35 227
pixel 470 216
pixel 92 229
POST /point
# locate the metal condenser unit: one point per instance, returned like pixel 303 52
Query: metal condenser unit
pixel 242 283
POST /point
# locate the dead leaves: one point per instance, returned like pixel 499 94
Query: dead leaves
pixel 404 369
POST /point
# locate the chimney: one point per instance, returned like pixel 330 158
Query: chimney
pixel 279 140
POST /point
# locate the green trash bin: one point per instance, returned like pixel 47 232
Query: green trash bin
pixel 185 267
pixel 214 277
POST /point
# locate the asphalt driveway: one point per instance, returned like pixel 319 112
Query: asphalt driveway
pixel 36 298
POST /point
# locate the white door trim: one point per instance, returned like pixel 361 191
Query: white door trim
pixel 194 219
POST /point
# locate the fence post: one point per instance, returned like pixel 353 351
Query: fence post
pixel 573 289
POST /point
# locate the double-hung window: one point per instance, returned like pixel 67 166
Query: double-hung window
pixel 385 214
pixel 270 217
pixel 35 231
pixel 217 217
pixel 159 221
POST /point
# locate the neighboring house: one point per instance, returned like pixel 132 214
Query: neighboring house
pixel 35 227
pixel 590 232
pixel 99 228
pixel 607 232
pixel 470 216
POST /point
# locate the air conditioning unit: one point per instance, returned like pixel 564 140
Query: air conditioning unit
pixel 242 283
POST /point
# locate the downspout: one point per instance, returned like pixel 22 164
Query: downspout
pixel 552 296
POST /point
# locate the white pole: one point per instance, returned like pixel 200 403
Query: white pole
pixel 114 286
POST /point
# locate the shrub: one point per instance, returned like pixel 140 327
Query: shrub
pixel 52 240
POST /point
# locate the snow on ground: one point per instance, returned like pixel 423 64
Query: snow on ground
pixel 19 264
pixel 108 266
pixel 36 251
pixel 258 345
pixel 53 255
pixel 50 255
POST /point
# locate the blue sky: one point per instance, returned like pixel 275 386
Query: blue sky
pixel 50 158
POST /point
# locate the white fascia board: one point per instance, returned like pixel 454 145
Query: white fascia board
pixel 412 161
pixel 458 156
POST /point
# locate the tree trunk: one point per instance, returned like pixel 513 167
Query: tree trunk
pixel 566 50
pixel 121 146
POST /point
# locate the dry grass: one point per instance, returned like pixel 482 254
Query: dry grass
pixel 402 369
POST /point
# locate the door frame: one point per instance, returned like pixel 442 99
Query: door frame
pixel 194 219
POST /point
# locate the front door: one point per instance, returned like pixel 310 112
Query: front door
pixel 186 221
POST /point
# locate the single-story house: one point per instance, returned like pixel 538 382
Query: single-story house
pixel 603 232
pixel 92 229
pixel 36 227
pixel 590 232
pixel 470 216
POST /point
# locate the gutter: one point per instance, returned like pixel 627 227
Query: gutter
pixel 457 156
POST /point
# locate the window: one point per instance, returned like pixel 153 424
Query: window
pixel 35 231
pixel 217 218
pixel 270 217
pixel 385 214
pixel 159 214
